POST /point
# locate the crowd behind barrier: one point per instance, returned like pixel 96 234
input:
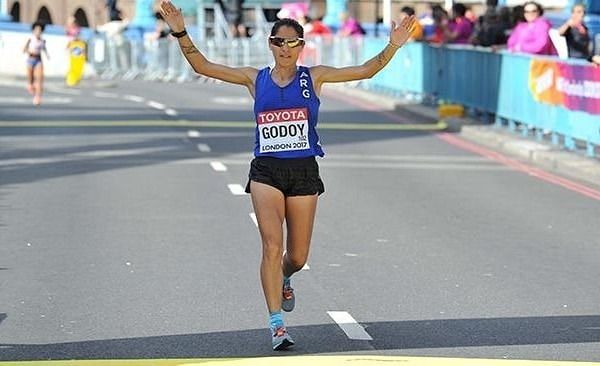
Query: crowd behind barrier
pixel 536 95
pixel 501 86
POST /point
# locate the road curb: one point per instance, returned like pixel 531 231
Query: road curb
pixel 541 154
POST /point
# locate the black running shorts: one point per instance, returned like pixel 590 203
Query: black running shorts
pixel 293 177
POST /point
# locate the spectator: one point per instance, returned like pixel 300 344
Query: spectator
pixel 417 31
pixel 234 14
pixel 440 22
pixel 459 29
pixel 116 41
pixel 505 20
pixel 426 21
pixel 491 28
pixel 72 29
pixel 576 33
pixel 313 27
pixel 532 36
pixel 161 30
pixel 349 25
pixel 113 11
pixel 517 15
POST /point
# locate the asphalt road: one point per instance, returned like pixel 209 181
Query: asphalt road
pixel 121 235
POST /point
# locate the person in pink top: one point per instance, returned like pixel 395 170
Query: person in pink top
pixel 349 25
pixel 532 36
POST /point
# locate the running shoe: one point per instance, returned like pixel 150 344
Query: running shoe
pixel 288 300
pixel 281 339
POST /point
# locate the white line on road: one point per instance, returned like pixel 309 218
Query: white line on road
pixel 156 105
pixel 350 326
pixel 204 147
pixel 134 98
pixel 236 189
pixel 171 112
pixel 46 100
pixel 372 165
pixel 218 166
pixel 105 95
pixel 253 217
pixel 193 133
pixel 56 89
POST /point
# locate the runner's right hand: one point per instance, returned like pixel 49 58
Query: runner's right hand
pixel 172 16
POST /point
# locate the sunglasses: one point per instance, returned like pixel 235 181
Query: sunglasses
pixel 290 42
pixel 531 11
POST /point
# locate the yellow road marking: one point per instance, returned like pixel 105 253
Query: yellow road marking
pixel 354 360
pixel 225 124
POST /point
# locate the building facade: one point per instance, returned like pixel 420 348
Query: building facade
pixel 89 13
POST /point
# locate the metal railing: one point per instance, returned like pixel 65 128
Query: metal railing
pixel 493 84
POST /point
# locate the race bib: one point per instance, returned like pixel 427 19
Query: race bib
pixel 283 130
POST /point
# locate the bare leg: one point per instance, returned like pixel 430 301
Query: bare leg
pixel 300 217
pixel 30 88
pixel 39 83
pixel 269 206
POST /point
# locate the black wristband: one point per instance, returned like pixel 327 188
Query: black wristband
pixel 183 33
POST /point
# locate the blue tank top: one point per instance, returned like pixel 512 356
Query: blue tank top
pixel 286 118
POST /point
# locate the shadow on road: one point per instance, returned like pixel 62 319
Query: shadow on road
pixel 23 164
pixel 315 339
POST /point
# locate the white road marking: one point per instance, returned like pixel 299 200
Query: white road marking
pixel 253 217
pixel 193 133
pixel 351 255
pixel 236 189
pixel 233 100
pixel 105 95
pixel 56 89
pixel 134 98
pixel 331 163
pixel 218 166
pixel 203 147
pixel 122 152
pixel 45 100
pixel 156 105
pixel 171 112
pixel 350 326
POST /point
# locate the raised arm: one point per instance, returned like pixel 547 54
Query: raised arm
pixel 236 75
pixel 398 36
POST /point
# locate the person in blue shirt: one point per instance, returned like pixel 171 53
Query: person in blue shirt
pixel 284 181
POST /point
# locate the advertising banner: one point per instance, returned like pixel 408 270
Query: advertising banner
pixel 572 86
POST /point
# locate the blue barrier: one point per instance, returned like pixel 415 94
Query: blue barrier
pixel 495 83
